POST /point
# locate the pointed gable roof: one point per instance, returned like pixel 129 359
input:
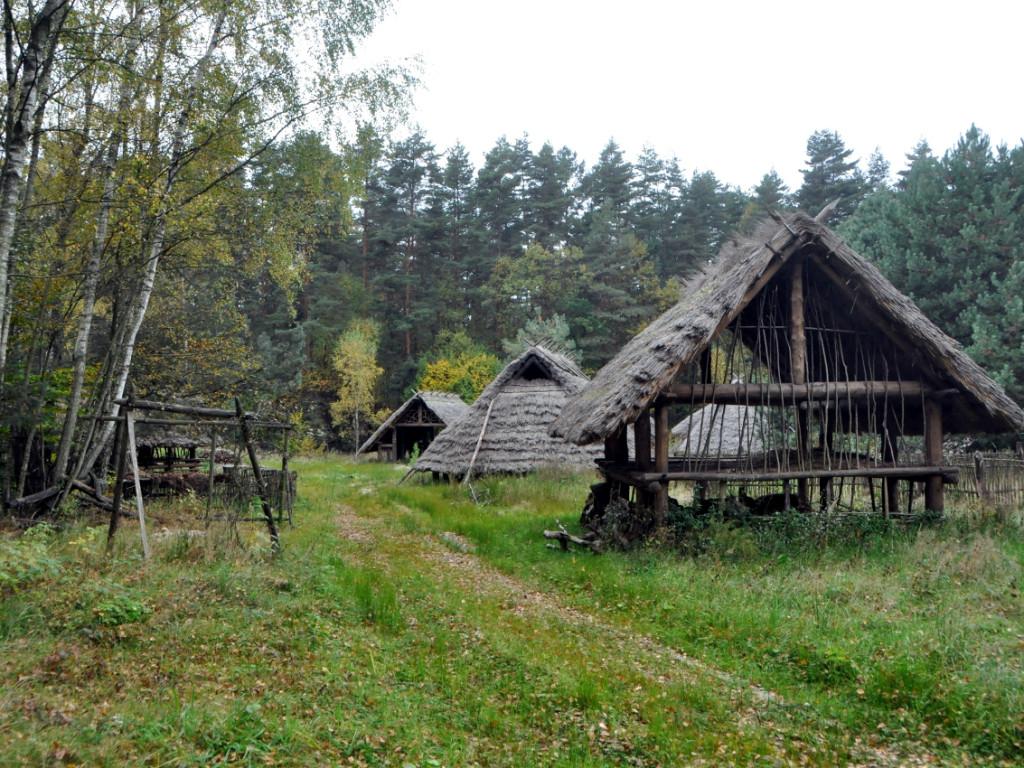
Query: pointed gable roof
pixel 647 365
pixel 446 408
pixel 513 414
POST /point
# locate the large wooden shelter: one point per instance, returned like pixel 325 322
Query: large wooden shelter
pixel 849 378
pixel 413 424
pixel 506 428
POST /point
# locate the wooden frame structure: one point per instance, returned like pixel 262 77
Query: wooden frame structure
pixel 415 423
pixel 845 377
pixel 125 450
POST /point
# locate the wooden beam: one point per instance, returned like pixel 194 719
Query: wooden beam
pixel 661 438
pixel 791 394
pixel 642 440
pixel 190 410
pixel 949 475
pixel 797 333
pixel 933 495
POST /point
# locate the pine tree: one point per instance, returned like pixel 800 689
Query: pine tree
pixel 549 182
pixel 830 175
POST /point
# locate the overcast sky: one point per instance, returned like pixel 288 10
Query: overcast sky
pixel 731 87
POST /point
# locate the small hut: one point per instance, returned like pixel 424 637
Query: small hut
pixel 414 424
pixel 506 428
pixel 723 430
pixel 852 379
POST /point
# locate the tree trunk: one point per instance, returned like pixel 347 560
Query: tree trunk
pixel 46 26
pixel 137 313
pixel 92 270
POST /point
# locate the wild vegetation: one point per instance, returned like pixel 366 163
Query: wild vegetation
pixel 404 625
pixel 170 216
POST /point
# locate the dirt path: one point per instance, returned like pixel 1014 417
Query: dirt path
pixel 452 557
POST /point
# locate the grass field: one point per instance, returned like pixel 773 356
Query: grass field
pixel 408 626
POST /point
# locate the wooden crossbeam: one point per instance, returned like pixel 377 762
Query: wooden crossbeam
pixel 788 394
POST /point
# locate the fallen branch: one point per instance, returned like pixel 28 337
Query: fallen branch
pixel 591 540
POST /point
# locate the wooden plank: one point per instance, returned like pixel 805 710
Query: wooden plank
pixel 791 394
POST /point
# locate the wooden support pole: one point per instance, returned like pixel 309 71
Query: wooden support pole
pixel 979 477
pixel 133 454
pixel 798 375
pixel 213 467
pixel 120 456
pixel 286 484
pixel 706 376
pixel 642 446
pixel 642 441
pixel 661 436
pixel 890 485
pixel 261 487
pixel 933 493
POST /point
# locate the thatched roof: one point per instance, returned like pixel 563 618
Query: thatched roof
pixel 647 365
pixel 517 409
pixel 446 408
pixel 721 430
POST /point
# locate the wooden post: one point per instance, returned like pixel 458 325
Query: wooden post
pixel 661 435
pixel 138 485
pixel 706 376
pixel 286 484
pixel 261 487
pixel 979 477
pixel 213 467
pixel 798 371
pixel 890 485
pixel 642 441
pixel 120 456
pixel 642 446
pixel 933 493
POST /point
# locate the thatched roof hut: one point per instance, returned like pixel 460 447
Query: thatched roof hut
pixel 414 423
pixel 506 428
pixel 822 337
pixel 725 430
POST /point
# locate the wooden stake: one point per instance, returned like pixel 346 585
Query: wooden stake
pixel 479 441
pixel 121 457
pixel 261 487
pixel 138 485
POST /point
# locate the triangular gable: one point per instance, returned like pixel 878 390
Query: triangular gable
pixel 746 272
pixel 423 408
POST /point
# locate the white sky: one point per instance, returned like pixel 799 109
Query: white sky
pixel 731 87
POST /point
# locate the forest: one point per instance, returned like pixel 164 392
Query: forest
pixel 173 224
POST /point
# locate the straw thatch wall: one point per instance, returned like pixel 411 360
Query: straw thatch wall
pixel 649 363
pixel 513 415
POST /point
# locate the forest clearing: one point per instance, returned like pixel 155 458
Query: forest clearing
pixel 404 625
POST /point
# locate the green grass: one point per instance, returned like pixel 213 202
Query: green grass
pixel 406 625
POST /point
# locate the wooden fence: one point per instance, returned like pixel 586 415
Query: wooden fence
pixel 996 478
